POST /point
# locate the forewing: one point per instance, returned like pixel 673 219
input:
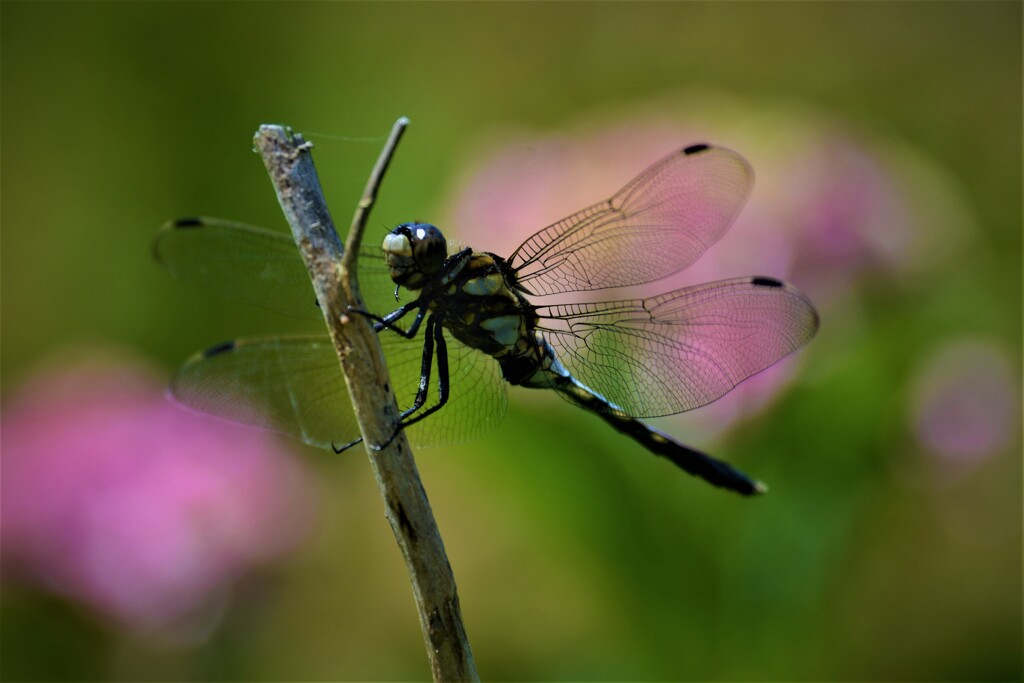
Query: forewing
pixel 683 349
pixel 254 266
pixel 658 224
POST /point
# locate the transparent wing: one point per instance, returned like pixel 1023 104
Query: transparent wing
pixel 658 224
pixel 477 401
pixel 683 349
pixel 294 385
pixel 254 266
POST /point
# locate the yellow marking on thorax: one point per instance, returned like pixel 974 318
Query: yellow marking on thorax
pixel 483 286
pixel 504 329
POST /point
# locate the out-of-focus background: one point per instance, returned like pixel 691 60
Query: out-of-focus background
pixel 144 542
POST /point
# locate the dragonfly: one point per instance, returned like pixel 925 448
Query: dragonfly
pixel 622 360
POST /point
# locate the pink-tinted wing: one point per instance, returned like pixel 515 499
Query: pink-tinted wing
pixel 658 224
pixel 683 349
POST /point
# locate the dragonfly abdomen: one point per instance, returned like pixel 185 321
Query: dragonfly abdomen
pixel 698 464
pixel 540 368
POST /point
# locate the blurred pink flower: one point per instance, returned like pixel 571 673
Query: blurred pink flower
pixel 116 497
pixel 965 403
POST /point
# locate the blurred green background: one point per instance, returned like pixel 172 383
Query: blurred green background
pixel 577 555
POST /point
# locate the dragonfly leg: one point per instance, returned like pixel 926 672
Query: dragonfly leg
pixel 342 449
pixel 434 339
pixel 425 364
pixel 443 384
pixel 388 321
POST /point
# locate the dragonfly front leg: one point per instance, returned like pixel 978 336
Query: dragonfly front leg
pixel 388 322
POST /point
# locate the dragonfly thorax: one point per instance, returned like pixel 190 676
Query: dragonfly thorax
pixel 414 252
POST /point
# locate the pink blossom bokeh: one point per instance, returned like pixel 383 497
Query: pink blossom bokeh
pixel 120 500
pixel 965 407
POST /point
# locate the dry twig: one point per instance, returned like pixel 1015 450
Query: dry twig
pixel 289 162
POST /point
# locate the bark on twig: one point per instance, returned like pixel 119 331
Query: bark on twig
pixel 290 164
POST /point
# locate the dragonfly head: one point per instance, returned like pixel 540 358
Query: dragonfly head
pixel 414 253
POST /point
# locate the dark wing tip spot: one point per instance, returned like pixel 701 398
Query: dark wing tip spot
pixel 766 282
pixel 218 349
pixel 695 149
pixel 188 222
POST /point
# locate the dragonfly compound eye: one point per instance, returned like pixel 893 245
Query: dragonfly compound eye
pixel 413 252
pixel 429 247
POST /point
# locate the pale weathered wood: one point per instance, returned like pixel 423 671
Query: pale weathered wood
pixel 289 162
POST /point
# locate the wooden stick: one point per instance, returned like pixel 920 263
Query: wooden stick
pixel 289 162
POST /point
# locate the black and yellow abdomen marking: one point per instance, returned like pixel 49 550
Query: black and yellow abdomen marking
pixel 691 460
